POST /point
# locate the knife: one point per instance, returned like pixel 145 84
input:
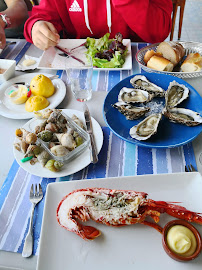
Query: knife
pixel 94 157
pixel 69 54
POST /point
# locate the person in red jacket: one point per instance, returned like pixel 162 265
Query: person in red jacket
pixel 139 20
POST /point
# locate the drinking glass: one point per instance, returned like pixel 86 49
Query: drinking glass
pixel 79 70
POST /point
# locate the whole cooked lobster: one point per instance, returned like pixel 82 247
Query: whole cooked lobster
pixel 114 208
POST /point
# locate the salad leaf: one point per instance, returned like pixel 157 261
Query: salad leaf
pixel 105 52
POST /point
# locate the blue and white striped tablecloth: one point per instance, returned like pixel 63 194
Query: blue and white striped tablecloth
pixel 117 158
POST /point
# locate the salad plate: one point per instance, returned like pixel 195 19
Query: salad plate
pixel 54 59
pixel 122 247
pixel 168 134
pixel 190 47
pixel 13 111
pixel 70 167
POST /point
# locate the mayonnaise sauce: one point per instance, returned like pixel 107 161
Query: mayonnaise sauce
pixel 181 240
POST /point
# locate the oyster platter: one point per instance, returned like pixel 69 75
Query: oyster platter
pixel 154 110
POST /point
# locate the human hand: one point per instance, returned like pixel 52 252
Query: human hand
pixel 2 37
pixel 44 35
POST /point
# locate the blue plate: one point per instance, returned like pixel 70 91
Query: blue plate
pixel 168 134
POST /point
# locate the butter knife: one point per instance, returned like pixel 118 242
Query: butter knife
pixel 94 157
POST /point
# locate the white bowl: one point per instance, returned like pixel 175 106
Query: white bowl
pixel 9 67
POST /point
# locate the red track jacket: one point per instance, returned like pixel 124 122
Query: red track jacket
pixel 139 20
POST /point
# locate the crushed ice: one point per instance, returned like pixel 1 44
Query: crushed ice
pixel 156 106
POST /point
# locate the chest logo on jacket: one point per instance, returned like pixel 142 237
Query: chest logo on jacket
pixel 75 7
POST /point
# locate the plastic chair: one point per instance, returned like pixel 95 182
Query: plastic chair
pixel 176 4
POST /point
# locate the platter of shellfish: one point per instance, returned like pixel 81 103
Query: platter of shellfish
pixel 50 156
pixel 154 110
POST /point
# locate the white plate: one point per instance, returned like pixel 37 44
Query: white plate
pixel 10 110
pixel 51 59
pixel 71 167
pixel 129 247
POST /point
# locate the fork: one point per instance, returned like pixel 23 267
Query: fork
pixel 190 168
pixel 35 196
pixel 69 54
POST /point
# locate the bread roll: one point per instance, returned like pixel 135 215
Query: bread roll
pixel 159 63
pixel 149 54
pixel 192 63
pixel 172 51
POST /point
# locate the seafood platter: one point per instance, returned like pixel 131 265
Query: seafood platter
pixel 49 143
pixel 154 110
pixel 94 219
pixel 180 59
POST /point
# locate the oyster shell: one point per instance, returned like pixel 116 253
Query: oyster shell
pixel 141 82
pixel 183 116
pixel 146 128
pixel 131 112
pixel 175 94
pixel 130 95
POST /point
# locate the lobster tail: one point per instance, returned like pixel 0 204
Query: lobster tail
pixel 175 210
pixel 88 232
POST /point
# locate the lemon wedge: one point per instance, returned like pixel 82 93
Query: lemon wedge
pixel 19 96
pixel 36 103
pixel 42 86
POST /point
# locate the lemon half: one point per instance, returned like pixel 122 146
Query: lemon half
pixel 42 86
pixel 19 96
pixel 36 103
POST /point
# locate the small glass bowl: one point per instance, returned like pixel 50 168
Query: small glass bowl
pixel 171 253
pixel 78 150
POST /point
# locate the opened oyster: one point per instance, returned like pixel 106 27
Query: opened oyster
pixel 175 94
pixel 143 83
pixel 183 116
pixel 131 112
pixel 131 95
pixel 146 128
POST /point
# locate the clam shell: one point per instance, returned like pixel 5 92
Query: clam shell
pixel 66 140
pixel 131 112
pixel 175 94
pixel 146 128
pixel 131 95
pixel 141 82
pixel 183 116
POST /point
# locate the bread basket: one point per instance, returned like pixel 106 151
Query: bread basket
pixel 190 47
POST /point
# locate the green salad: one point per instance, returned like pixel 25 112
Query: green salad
pixel 105 52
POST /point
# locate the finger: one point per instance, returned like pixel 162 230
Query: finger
pixel 50 32
pixel 43 43
pixel 2 41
